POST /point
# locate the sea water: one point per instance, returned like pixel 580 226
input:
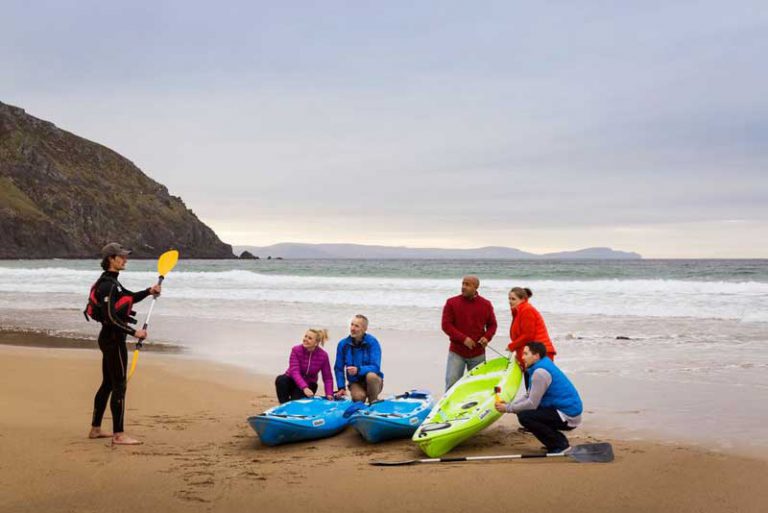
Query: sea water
pixel 670 343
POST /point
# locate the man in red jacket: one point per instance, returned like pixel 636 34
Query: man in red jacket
pixel 470 323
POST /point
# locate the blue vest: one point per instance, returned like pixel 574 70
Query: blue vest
pixel 561 394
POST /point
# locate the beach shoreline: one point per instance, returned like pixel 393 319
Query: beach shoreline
pixel 200 454
pixel 617 406
pixel 41 339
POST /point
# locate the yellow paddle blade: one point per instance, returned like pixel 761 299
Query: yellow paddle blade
pixel 167 262
pixel 133 363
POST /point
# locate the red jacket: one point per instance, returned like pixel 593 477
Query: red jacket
pixel 528 326
pixel 473 318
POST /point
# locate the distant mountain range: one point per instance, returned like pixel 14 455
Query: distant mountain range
pixel 321 251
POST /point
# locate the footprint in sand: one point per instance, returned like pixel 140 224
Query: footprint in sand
pixel 250 474
pixel 204 482
pixel 189 495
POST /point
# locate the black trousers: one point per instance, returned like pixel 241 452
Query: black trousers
pixel 114 364
pixel 546 425
pixel 288 390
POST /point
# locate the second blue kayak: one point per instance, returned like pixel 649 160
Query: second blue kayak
pixel 394 417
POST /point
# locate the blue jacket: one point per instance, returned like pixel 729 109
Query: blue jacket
pixel 366 357
pixel 561 394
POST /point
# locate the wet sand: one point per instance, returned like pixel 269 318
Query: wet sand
pixel 200 455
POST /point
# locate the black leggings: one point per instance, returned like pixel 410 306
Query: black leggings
pixel 114 362
pixel 288 390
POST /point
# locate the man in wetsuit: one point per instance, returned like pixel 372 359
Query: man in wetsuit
pixel 114 311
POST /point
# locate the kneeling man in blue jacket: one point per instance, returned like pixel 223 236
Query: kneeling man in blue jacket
pixel 551 404
pixel 358 361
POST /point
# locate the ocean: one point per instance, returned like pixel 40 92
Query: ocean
pixel 664 340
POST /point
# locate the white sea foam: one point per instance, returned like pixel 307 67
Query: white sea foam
pixel 743 301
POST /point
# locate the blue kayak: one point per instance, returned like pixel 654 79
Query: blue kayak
pixel 303 419
pixel 394 417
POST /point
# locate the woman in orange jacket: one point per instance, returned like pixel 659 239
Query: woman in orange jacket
pixel 527 325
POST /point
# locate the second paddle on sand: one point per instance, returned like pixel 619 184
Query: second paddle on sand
pixel 585 453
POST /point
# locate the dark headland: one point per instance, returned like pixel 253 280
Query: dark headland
pixel 62 196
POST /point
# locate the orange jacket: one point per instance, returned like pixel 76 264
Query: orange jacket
pixel 528 326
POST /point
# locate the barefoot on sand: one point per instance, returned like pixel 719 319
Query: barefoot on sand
pixel 121 439
pixel 97 433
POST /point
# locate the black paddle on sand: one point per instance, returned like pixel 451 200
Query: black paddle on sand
pixel 585 453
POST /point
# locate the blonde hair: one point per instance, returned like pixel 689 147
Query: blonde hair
pixel 321 335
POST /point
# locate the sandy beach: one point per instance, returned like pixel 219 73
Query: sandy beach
pixel 200 455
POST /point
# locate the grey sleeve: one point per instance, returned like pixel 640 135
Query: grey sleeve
pixel 540 382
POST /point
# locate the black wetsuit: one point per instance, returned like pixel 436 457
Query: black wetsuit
pixel 116 303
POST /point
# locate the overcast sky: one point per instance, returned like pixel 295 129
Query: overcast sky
pixel 539 125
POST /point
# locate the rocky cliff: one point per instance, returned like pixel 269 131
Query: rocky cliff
pixel 62 196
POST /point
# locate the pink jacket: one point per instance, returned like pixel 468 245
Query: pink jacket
pixel 304 367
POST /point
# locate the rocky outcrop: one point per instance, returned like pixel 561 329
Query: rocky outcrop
pixel 247 255
pixel 62 196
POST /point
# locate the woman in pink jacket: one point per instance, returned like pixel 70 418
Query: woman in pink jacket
pixel 307 360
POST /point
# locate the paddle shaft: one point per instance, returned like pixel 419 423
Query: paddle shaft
pixel 491 458
pixel 495 351
pixel 165 264
pixel 141 340
pixel 149 313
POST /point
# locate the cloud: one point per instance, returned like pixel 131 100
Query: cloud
pixel 555 123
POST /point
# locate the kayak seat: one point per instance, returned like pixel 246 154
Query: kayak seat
pixel 435 427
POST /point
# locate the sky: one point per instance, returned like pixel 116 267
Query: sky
pixel 543 126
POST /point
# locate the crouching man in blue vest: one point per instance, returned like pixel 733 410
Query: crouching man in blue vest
pixel 551 404
pixel 358 361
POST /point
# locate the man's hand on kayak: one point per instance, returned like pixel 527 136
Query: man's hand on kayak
pixel 340 393
pixel 501 407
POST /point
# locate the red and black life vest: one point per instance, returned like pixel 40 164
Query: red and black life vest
pixel 95 309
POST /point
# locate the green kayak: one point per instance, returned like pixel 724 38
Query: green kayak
pixel 468 406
